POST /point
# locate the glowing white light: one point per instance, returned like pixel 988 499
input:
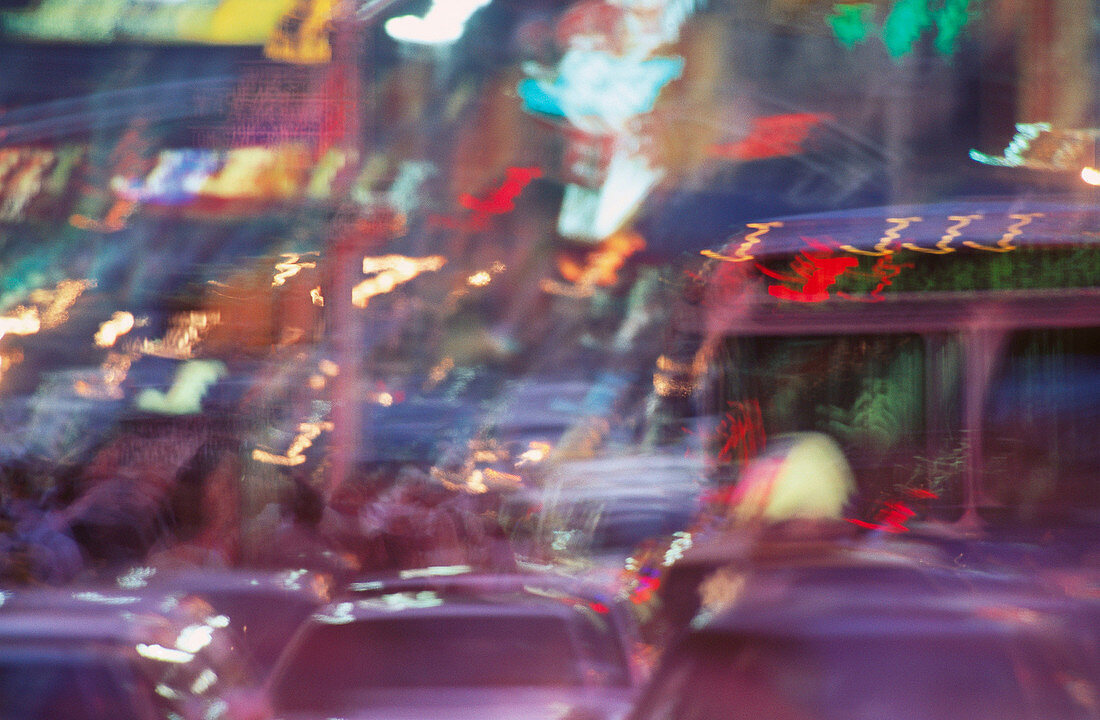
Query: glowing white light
pixel 104 599
pixel 166 692
pixel 436 571
pixel 341 615
pixel 204 681
pixel 159 652
pixel 194 638
pixel 1091 175
pixel 136 577
pixel 444 23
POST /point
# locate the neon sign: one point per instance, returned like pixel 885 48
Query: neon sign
pixel 1041 146
pixel 814 273
pixel 885 270
pixel 892 237
pixel 907 21
pixel 742 252
pixel 741 431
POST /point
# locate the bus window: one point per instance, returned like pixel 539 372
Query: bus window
pixel 1040 456
pixel 889 400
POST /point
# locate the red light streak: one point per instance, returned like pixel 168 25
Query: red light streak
pixel 894 515
pixel 498 202
pixel 890 519
pixel 772 136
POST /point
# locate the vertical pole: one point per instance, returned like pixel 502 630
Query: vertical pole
pixel 346 327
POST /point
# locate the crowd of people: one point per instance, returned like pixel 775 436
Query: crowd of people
pixel 364 526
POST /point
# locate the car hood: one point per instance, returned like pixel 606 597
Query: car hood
pixel 479 704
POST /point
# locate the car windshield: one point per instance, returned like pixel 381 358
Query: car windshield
pixel 334 664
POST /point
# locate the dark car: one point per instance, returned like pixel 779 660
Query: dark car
pixel 831 657
pixel 407 651
pixel 87 655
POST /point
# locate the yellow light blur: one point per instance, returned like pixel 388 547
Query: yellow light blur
pixel 1091 175
pixel 439 373
pixel 329 368
pixel 536 452
pixel 479 279
pixel 295 454
pixel 24 321
pixel 388 272
pixel 475 482
pixel 110 331
pixel 183 336
pixel 58 301
pixel 112 373
pixel 316 297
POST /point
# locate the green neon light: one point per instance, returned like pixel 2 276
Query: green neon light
pixel 852 23
pixel 907 21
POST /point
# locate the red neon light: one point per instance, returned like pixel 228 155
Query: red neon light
pixel 498 202
pixel 890 519
pixel 893 516
pixel 743 431
pixel 772 136
pixel 885 270
pixel 815 272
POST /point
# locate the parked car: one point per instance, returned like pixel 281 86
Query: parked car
pixel 407 651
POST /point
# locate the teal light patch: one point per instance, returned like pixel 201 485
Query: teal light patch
pixel 951 20
pixel 904 26
pixel 852 23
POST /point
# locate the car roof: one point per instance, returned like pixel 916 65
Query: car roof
pixel 489 588
pixel 72 626
pixel 307 584
pixel 842 614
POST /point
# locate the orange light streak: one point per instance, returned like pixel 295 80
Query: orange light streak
pixel 601 267
pixel 114 221
pixel 943 246
pixel 882 247
pixel 289 268
pixel 742 252
pixel 295 454
pixel 1005 243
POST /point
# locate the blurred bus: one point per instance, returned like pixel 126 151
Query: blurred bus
pixel 952 350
